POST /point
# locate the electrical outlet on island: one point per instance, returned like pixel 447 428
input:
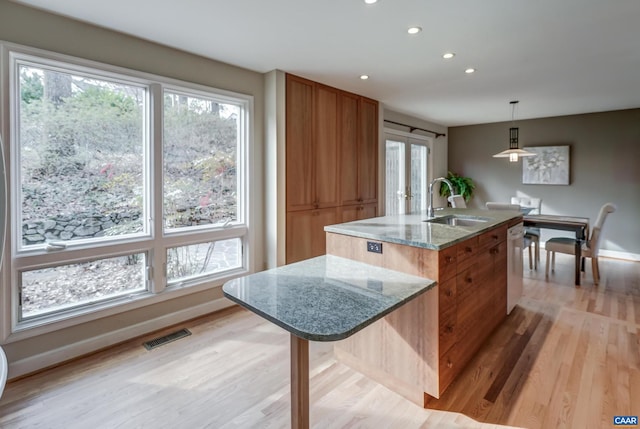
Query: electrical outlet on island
pixel 374 247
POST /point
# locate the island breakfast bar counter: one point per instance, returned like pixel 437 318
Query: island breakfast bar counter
pixel 327 298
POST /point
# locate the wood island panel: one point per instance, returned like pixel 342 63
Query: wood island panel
pixel 407 259
pixel 408 362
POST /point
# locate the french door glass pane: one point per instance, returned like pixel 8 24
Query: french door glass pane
pixel 395 178
pixel 201 140
pixel 54 289
pixel 81 146
pixel 203 259
pixel 418 178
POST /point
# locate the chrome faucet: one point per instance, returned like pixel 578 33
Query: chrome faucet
pixel 430 213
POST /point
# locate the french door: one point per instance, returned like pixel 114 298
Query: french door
pixel 406 173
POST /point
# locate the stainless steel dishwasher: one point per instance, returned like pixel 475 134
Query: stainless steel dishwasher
pixel 515 247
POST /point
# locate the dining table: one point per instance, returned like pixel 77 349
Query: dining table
pixel 578 225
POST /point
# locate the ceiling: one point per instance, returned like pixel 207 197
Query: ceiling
pixel 557 57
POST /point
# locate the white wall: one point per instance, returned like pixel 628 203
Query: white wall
pixel 275 169
pixel 35 28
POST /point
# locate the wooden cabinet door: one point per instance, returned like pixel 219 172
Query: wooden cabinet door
pixel 326 147
pixel 447 310
pixel 358 212
pixel 305 233
pixel 299 144
pixel 348 104
pixel 369 211
pixel 368 150
pixel 499 283
pixel 358 149
pixel 349 213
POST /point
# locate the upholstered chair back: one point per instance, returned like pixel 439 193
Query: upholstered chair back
pixel 535 203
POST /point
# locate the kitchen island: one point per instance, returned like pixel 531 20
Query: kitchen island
pixel 421 347
pixel 327 298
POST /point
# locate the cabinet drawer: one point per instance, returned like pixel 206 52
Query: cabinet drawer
pixel 447 294
pixel 447 329
pixel 447 263
pixel 492 237
pixel 472 283
pixel 449 367
pixel 499 253
pixel 466 253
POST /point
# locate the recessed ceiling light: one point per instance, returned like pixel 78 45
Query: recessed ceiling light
pixel 470 70
pixel 414 30
pixel 448 55
pixel 370 1
pixel 364 76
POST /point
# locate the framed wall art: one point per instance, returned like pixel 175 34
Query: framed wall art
pixel 550 166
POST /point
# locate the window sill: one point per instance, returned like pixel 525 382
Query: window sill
pixel 33 328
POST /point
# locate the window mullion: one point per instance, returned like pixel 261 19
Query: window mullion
pixel 158 258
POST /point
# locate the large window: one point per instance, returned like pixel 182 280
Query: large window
pixel 200 160
pixel 123 186
pixel 81 156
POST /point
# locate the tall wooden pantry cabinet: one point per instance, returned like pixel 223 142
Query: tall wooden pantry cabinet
pixel 331 162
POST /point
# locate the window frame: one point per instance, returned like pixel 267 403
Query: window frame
pixel 155 241
pixel 17 57
pixel 408 139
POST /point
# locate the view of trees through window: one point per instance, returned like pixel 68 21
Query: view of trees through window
pixel 200 141
pixel 84 171
pixel 81 156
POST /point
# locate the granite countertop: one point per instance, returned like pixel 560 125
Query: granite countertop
pixel 411 230
pixel 327 298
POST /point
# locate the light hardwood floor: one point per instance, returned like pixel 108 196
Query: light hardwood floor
pixel 567 357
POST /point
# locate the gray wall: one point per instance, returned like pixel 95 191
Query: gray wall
pixel 31 27
pixel 605 166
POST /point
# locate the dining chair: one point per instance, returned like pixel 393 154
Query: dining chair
pixel 457 201
pixel 533 234
pixel 515 207
pixel 590 248
pixel 529 202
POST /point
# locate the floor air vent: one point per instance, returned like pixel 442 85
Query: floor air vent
pixel 157 342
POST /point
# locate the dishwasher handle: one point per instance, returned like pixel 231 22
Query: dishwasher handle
pixel 515 232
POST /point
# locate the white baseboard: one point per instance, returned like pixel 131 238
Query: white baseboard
pixel 71 351
pixel 620 255
pixel 615 254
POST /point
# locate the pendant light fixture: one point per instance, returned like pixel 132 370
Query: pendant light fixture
pixel 513 153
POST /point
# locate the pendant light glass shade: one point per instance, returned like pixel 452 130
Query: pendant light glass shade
pixel 514 152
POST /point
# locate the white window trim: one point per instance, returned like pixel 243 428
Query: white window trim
pixel 10 331
pixel 406 137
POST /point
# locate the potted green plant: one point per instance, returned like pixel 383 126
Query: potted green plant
pixel 464 186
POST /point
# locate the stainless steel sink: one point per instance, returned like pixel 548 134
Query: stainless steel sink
pixel 458 220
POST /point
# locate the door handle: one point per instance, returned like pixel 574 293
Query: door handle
pixel 407 194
